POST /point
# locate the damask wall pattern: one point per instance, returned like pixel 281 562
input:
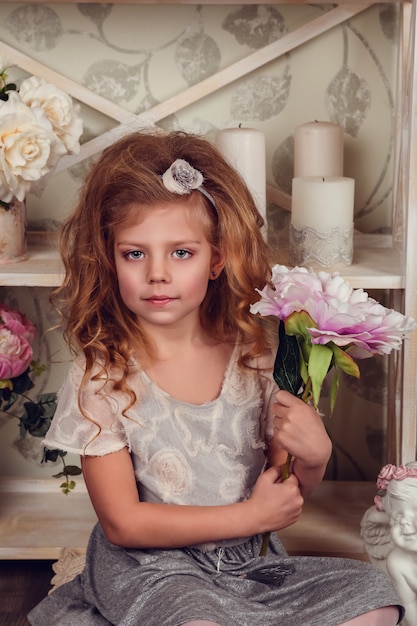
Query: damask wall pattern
pixel 140 55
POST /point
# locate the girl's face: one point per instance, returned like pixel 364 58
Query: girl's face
pixel 164 262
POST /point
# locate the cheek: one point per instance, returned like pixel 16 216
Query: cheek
pixel 126 286
pixel 198 284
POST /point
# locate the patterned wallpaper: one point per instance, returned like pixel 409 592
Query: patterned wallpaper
pixel 140 55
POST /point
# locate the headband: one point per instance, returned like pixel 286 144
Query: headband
pixel 182 178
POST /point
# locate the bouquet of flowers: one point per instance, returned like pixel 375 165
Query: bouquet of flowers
pixel 324 324
pixel 39 123
pixel 16 368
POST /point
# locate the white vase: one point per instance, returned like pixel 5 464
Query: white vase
pixel 13 242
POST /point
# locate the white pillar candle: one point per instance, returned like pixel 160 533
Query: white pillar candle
pixel 318 149
pixel 321 229
pixel 244 150
pixel 322 203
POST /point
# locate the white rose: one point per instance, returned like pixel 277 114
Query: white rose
pixel 29 148
pixel 59 108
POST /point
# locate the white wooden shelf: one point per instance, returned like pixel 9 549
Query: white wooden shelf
pixel 37 520
pixel 373 267
pixel 43 267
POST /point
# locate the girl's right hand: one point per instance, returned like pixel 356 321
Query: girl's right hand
pixel 274 504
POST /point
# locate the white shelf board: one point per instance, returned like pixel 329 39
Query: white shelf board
pixel 373 266
pixel 42 268
pixel 37 520
pixel 330 522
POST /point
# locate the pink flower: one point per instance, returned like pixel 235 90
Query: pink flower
pixel 393 472
pixel 347 317
pixel 17 323
pixel 385 475
pixel 333 323
pixel 15 354
pixel 16 336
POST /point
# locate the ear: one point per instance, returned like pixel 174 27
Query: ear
pixel 217 264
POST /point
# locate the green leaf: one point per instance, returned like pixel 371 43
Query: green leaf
pixel 37 368
pixel 47 402
pixel 52 454
pixel 334 391
pixel 8 398
pixel 287 362
pixel 345 361
pixel 59 475
pixel 318 366
pixel 73 470
pixel 34 421
pixel 297 324
pixel 22 383
pixel 304 369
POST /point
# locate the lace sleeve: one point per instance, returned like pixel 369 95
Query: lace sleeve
pixel 100 433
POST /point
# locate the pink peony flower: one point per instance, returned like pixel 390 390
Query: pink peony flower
pixel 17 323
pixel 15 354
pixel 347 317
pixel 333 323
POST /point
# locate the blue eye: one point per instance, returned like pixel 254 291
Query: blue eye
pixel 182 254
pixel 134 255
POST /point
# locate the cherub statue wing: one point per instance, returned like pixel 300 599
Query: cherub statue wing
pixel 376 536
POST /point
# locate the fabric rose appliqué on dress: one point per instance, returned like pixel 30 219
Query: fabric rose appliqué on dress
pixel 169 468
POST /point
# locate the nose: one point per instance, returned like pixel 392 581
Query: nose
pixel 158 270
pixel 407 525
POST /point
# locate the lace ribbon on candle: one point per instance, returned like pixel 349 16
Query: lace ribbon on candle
pixel 307 245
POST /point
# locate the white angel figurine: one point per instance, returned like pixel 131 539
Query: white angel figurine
pixel 389 532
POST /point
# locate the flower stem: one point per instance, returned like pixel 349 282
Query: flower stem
pixel 306 396
pixel 265 543
pixel 9 414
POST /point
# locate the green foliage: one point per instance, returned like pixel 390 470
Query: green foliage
pixel 5 86
pixel 287 362
pixel 35 417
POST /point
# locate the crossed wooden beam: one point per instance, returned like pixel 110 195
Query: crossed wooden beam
pixel 129 122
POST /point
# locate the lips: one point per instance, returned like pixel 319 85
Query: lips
pixel 159 300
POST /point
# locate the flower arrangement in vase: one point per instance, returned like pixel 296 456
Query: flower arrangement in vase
pixel 17 368
pixel 39 123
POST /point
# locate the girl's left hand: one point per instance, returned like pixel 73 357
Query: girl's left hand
pixel 299 429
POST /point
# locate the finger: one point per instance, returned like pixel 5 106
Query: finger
pixel 274 473
pixel 284 398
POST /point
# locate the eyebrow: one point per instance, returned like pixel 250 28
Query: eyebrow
pixel 173 244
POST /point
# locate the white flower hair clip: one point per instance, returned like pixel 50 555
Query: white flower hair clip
pixel 182 178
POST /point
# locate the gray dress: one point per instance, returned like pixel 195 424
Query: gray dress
pixel 208 454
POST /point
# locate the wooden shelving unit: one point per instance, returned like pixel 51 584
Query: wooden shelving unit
pixel 373 267
pixel 36 520
pixel 43 267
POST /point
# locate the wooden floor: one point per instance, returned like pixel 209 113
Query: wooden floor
pixel 22 585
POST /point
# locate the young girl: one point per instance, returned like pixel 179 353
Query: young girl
pixel 168 402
